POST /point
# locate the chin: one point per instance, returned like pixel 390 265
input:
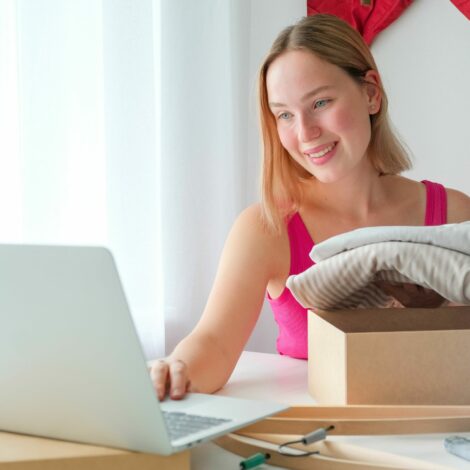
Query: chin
pixel 328 178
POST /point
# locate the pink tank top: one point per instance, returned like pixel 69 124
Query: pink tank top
pixel 290 316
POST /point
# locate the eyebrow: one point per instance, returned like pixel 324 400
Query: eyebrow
pixel 310 94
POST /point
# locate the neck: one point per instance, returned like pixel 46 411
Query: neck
pixel 355 198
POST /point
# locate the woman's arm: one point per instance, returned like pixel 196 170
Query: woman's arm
pixel 204 360
pixel 458 206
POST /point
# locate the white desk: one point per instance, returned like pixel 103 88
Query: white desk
pixel 282 379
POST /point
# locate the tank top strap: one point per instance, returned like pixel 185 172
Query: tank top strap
pixel 301 244
pixel 436 203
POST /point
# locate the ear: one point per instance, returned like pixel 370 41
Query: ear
pixel 372 90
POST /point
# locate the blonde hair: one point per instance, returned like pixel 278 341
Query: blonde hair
pixel 334 41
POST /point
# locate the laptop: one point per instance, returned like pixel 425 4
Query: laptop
pixel 72 367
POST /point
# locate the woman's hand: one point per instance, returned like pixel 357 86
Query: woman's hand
pixel 412 295
pixel 170 376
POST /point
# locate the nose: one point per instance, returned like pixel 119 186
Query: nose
pixel 308 129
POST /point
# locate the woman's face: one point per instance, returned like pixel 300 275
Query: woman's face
pixel 322 114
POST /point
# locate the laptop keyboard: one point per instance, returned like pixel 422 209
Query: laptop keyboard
pixel 182 424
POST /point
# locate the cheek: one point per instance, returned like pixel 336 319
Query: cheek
pixel 286 136
pixel 357 125
pixel 344 120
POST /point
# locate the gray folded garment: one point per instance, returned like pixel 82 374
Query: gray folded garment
pixel 459 446
pixel 348 279
pixel 455 237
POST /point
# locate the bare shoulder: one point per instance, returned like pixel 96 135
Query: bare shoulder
pixel 252 215
pixel 458 206
pixel 251 226
pixel 251 235
pixel 251 223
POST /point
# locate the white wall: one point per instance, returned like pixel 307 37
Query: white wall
pixel 424 58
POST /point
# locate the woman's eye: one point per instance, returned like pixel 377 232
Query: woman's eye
pixel 284 116
pixel 321 103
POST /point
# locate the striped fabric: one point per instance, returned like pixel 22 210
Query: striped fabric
pixel 346 280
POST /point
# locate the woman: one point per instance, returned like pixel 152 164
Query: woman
pixel 331 165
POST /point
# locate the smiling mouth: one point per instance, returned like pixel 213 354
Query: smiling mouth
pixel 321 153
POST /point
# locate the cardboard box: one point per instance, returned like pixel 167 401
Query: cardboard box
pixel 23 452
pixel 390 356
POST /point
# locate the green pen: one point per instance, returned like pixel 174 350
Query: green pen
pixel 254 461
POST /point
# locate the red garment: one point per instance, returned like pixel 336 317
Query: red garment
pixel 369 17
pixel 463 6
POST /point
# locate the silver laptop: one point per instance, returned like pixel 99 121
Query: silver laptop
pixel 71 364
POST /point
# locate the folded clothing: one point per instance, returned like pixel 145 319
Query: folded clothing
pixel 346 279
pixel 453 236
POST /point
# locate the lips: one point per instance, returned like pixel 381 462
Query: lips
pixel 321 155
pixel 320 151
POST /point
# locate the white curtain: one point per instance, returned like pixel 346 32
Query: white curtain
pixel 133 125
pixel 78 136
pixel 210 157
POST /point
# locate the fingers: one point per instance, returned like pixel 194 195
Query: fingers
pixel 170 376
pixel 178 379
pixel 159 373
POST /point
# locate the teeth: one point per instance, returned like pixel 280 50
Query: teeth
pixel 322 152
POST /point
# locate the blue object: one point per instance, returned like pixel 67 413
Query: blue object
pixel 459 446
